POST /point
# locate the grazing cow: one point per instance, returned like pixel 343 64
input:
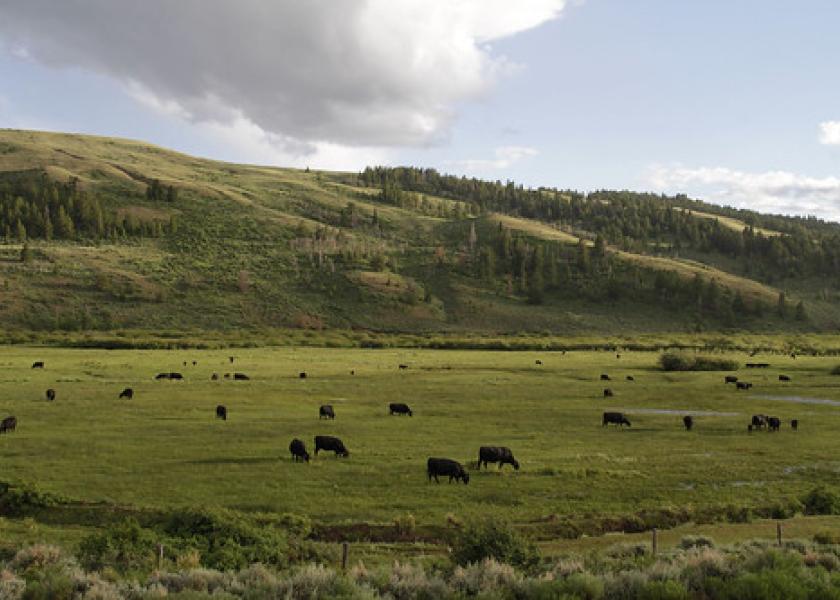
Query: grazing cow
pixel 195 363
pixel 784 378
pixel 241 377
pixel 496 454
pixel 730 379
pixel 221 412
pixel 127 393
pixel 227 375
pixel 330 444
pixel 616 418
pixel 742 385
pixel 175 376
pixel 773 423
pixel 302 375
pixel 688 421
pixel 8 424
pixel 608 393
pixel 326 412
pixel 403 367
pixel 50 394
pixel 447 468
pixel 794 424
pixel 759 421
pixel 399 408
pixel 605 377
pixel 214 377
pixel 538 362
pixel 162 376
pixel 749 428
pixel 618 355
pixel 630 378
pixel 231 359
pixel 793 355
pixel 38 364
pixel 298 450
pixel 353 372
pixel 185 363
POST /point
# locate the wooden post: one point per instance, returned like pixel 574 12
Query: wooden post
pixel 345 549
pixel 160 556
pixel 653 541
pixel 779 534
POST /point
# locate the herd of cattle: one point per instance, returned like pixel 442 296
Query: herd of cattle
pixel 435 467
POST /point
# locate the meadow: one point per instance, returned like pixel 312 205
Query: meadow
pixel 165 448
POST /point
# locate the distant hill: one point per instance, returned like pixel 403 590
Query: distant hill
pixel 103 233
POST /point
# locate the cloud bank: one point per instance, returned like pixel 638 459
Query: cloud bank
pixel 772 191
pixel 303 73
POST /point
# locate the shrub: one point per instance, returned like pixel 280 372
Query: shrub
pixel 496 539
pixel 827 537
pixel 405 525
pixel 126 546
pixel 821 501
pixel 11 586
pixel 696 541
pixel 487 577
pixel 836 370
pixel 676 361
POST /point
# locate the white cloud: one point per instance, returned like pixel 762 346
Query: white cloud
pixel 830 133
pixel 314 72
pixel 771 191
pixel 505 157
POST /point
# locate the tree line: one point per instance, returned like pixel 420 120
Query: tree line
pixel 638 222
pixel 40 208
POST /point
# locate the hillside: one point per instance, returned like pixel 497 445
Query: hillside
pixel 104 234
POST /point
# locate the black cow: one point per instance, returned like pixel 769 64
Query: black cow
pixel 50 394
pixel 403 367
pixel 631 378
pixel 688 421
pixel 618 355
pixel 759 421
pixel 447 468
pixel 8 424
pixel 353 372
pixel 774 423
pixel 730 379
pixel 331 444
pixel 326 412
pixel 221 412
pixel 616 418
pixel 302 375
pixel 185 363
pixel 175 376
pixel 241 377
pixel 742 385
pixel 608 393
pixel 496 454
pixel 127 393
pixel 227 375
pixel 214 377
pixel 38 364
pixel 605 377
pixel 195 363
pixel 784 378
pixel 794 424
pixel 399 408
pixel 538 362
pixel 298 450
pixel 162 376
pixel 230 358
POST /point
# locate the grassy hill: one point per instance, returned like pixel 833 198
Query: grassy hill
pixel 124 235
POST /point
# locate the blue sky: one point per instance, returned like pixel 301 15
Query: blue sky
pixel 737 102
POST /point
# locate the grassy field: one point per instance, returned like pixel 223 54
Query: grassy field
pixel 165 448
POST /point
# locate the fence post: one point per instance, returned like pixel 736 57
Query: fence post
pixel 654 541
pixel 160 556
pixel 345 549
pixel 779 534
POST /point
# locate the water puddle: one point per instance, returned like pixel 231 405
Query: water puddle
pixel 674 411
pixel 800 400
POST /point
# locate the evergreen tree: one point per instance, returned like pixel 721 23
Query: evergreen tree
pixel 800 311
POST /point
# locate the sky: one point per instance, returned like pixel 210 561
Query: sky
pixel 732 101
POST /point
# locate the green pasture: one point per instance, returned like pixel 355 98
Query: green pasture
pixel 165 448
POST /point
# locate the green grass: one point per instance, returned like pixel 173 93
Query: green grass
pixel 165 448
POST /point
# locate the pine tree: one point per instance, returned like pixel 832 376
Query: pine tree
pixel 25 254
pixel 781 306
pixel 800 311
